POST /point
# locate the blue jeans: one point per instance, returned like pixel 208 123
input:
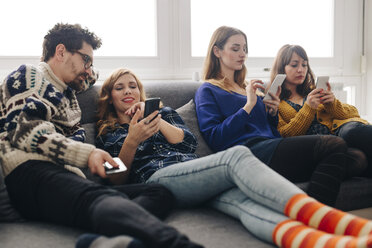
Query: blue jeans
pixel 237 183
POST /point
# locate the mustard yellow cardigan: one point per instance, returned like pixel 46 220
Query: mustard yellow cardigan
pixel 333 115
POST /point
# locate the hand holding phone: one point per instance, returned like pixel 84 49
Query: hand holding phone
pixel 321 82
pixel 279 79
pixel 151 105
pixel 109 169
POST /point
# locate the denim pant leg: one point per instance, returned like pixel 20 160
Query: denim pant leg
pixel 199 180
pixel 256 218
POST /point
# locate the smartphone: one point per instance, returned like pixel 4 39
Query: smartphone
pixel 151 105
pixel 112 170
pixel 321 82
pixel 279 79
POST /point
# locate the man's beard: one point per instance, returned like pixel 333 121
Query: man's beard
pixel 77 85
pixel 82 85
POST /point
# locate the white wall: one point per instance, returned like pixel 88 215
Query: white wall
pixel 368 77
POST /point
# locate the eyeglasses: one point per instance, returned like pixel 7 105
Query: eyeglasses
pixel 87 60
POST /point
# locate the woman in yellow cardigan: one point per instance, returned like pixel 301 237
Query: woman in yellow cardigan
pixel 306 110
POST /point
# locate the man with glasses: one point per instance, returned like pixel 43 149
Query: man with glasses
pixel 40 136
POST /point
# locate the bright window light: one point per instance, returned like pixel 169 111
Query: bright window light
pixel 127 28
pixel 268 24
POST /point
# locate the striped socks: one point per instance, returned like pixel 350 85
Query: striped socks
pixel 291 233
pixel 312 213
pixel 314 224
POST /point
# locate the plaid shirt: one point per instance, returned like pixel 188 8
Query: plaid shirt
pixel 155 152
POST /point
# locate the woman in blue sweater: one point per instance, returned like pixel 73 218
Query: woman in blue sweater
pixel 233 181
pixel 230 113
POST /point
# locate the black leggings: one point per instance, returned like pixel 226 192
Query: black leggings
pixel 323 160
pixel 43 191
pixel 358 135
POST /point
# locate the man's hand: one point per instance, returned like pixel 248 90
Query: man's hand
pixel 96 160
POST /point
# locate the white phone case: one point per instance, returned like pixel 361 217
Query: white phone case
pixel 111 170
pixel 321 82
pixel 279 79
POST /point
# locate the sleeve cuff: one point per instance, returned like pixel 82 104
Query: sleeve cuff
pixel 78 153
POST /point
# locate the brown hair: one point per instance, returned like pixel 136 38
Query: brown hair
pixel 282 59
pixel 212 68
pixel 106 113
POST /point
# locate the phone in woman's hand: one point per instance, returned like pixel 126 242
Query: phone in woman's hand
pixel 321 82
pixel 279 79
pixel 151 105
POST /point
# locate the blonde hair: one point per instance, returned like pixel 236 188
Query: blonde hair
pixel 106 113
pixel 212 68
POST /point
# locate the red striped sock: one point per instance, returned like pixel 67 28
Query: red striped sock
pixel 309 211
pixel 291 233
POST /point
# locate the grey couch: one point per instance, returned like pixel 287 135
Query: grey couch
pixel 203 224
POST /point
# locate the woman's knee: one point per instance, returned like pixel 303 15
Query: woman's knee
pixel 356 162
pixel 355 132
pixel 328 145
pixel 236 154
pixel 238 150
pixel 331 143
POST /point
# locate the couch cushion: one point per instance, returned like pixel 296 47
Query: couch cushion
pixel 90 132
pixel 88 104
pixel 37 235
pixel 188 115
pixel 7 212
pixel 355 193
pixel 211 228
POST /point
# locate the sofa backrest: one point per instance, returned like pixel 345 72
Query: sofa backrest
pixel 172 94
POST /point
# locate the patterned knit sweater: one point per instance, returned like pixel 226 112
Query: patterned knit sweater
pixel 40 120
pixel 293 123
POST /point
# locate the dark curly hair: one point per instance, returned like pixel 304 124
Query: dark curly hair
pixel 71 36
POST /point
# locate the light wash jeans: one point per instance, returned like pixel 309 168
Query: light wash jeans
pixel 238 184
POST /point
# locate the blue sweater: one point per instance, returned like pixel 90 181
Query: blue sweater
pixel 223 123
